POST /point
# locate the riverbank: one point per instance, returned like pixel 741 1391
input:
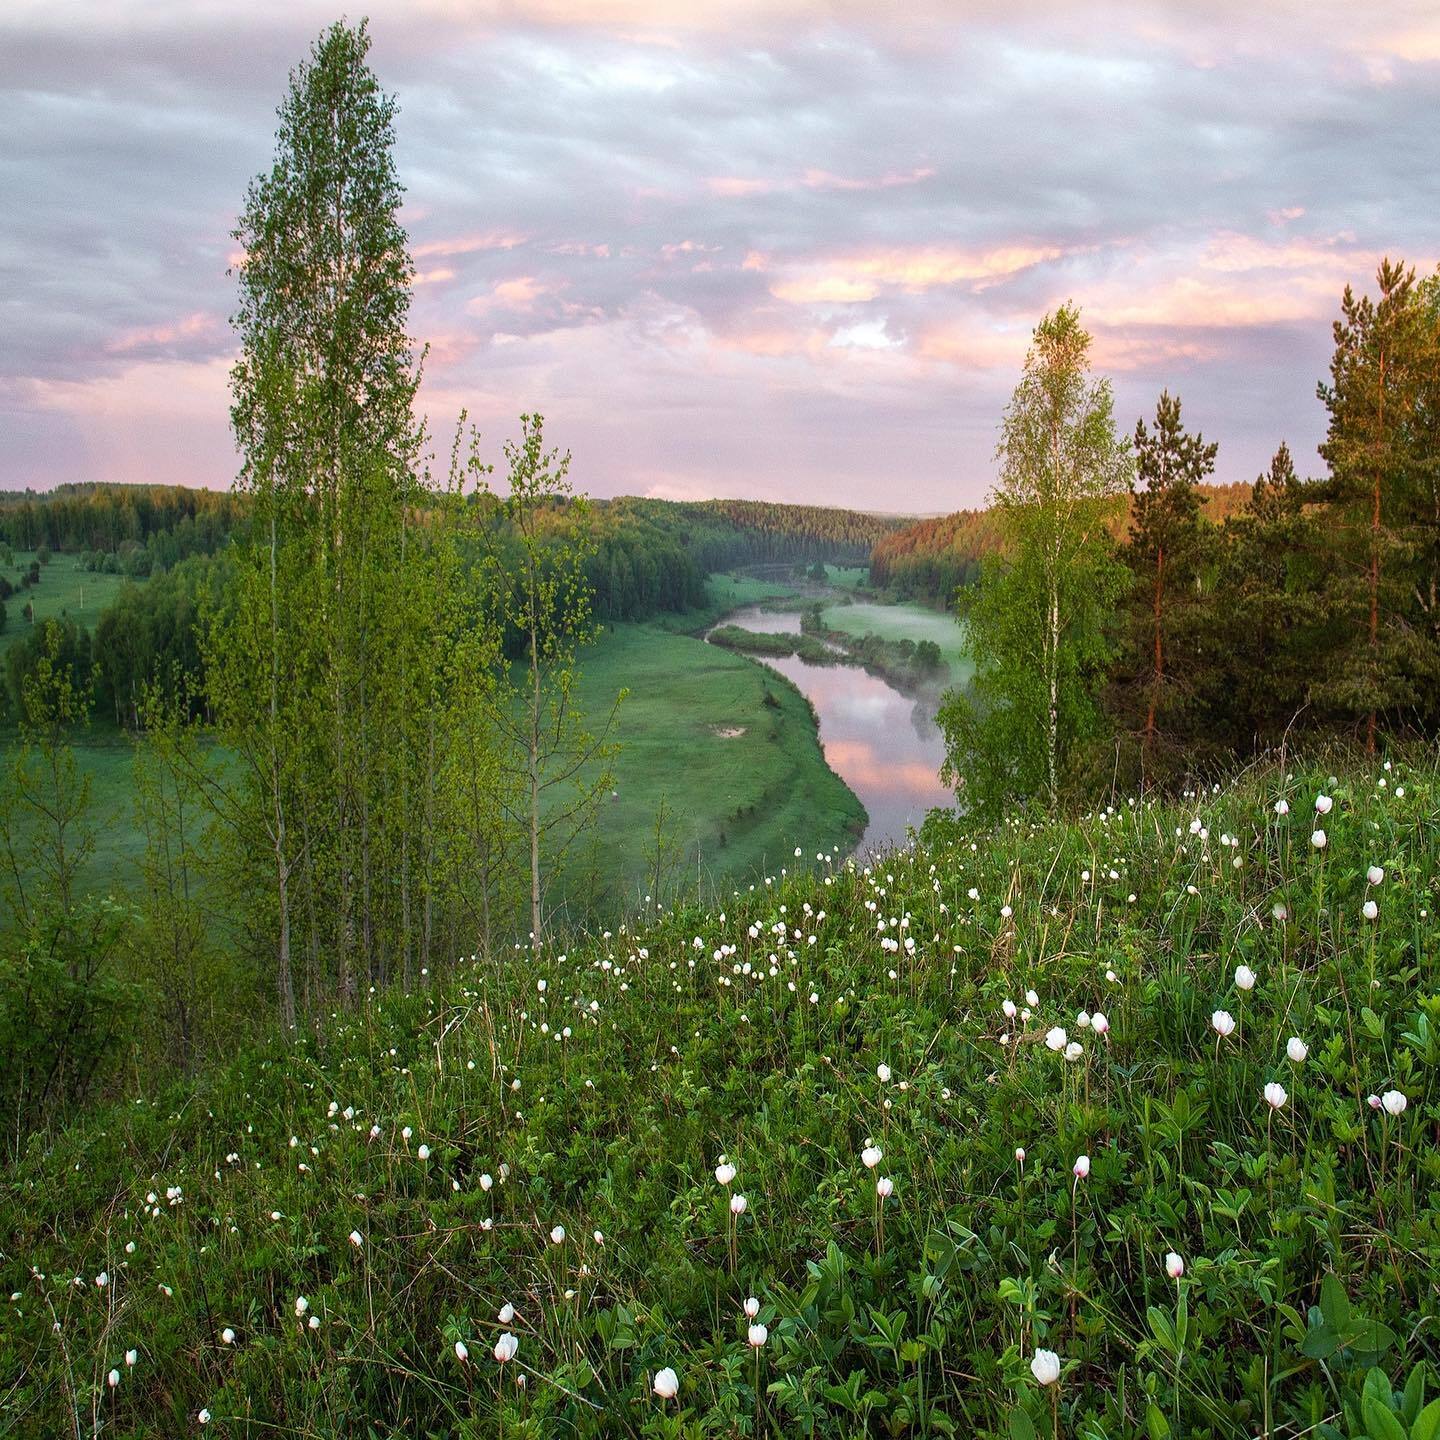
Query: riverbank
pixel 720 774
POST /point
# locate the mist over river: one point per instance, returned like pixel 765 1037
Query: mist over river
pixel 883 744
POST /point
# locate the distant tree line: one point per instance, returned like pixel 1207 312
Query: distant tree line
pixel 933 558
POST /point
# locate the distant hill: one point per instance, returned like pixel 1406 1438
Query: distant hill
pixel 931 559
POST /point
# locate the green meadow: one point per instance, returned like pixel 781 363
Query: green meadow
pixel 726 746
pixel 64 590
pixel 902 622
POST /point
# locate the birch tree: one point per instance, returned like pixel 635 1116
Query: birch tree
pixel 1036 627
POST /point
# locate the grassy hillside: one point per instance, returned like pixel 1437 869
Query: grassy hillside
pixel 300 1244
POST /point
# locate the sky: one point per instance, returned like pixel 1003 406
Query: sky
pixel 771 248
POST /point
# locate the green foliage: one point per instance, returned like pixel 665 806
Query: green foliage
pixel 1163 618
pixel 1308 1234
pixel 1036 626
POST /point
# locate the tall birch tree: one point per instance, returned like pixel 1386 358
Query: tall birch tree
pixel 1036 627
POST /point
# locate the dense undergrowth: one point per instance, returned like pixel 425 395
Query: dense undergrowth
pixel 296 1246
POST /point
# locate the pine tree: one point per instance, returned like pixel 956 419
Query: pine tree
pixel 1271 626
pixel 1382 360
pixel 1152 694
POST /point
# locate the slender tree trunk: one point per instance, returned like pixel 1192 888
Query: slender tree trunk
pixel 1052 661
pixel 534 778
pixel 284 978
pixel 1159 662
pixel 1374 635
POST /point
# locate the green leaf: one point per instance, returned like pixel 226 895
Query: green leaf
pixel 1334 1303
pixel 1156 1423
pixel 1427 1423
pixel 1380 1421
pixel 1414 1394
pixel 1022 1427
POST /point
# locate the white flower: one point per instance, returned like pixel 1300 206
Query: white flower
pixel 301 1305
pixel 1081 1168
pixel 1394 1102
pixel 557 1235
pixel 1375 875
pixel 667 1383
pixel 1019 1154
pixel 1008 1007
pixel 423 1152
pixel 1244 978
pixel 131 1356
pixel 1056 1038
pixel 1174 1265
pixel 757 1336
pixel 1223 1023
pixel 462 1351
pixel 113 1379
pixel 752 1307
pixel 1282 807
pixel 882 1073
pixel 1275 1095
pixel 227 1336
pixel 505 1347
pixel 203 1417
pixel 1318 839
pixel 724 1173
pixel 871 1156
pixel 506 1313
pixel 314 1322
pixel 1082 1020
pixel 1296 1049
pixel 356 1239
pixel 884 1187
pixel 1099 1023
pixel 738 1204
pixel 1045 1367
pixel 1369 909
pixel 1323 804
pixel 1074 1050
pixel 1031 998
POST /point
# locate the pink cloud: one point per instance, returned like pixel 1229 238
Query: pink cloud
pixel 739 186
pixel 200 324
pixel 825 180
pixel 467 244
pixel 824 290
pixel 521 293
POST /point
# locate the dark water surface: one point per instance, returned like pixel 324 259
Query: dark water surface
pixel 884 745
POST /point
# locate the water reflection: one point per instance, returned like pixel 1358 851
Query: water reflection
pixel 884 745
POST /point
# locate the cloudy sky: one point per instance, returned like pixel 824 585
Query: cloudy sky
pixel 777 248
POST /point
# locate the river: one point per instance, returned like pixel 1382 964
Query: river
pixel 884 745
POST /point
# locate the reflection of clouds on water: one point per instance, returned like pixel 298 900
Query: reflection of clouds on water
pixel 884 745
pixel 862 764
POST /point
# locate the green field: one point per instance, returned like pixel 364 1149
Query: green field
pixel 740 802
pixel 63 590
pixel 901 622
